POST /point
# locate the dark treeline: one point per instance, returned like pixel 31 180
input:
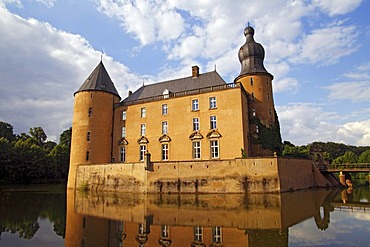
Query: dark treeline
pixel 30 158
pixel 334 153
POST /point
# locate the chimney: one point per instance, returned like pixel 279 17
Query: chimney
pixel 195 71
pixel 129 93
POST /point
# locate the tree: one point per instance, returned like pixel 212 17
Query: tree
pixel 61 153
pixel 348 158
pixel 39 134
pixel 6 131
pixel 364 157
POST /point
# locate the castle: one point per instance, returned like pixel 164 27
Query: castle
pixel 178 132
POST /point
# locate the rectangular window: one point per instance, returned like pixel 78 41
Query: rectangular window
pixel 212 103
pixel 165 231
pixel 123 115
pixel 196 150
pixel 87 155
pixel 88 136
pixel 214 149
pixel 143 130
pixel 216 234
pixel 198 233
pixel 165 151
pixel 142 152
pixel 164 127
pixel 196 124
pixel 164 109
pixel 90 112
pixel 122 154
pixel 213 122
pixel 143 112
pixel 195 105
pixel 123 132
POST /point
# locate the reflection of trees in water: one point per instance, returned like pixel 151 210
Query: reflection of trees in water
pixel 20 211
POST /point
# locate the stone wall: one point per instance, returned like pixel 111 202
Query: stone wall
pixel 252 175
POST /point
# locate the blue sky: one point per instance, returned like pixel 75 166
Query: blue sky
pixel 318 52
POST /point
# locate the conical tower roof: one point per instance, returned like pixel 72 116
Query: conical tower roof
pixel 99 80
pixel 251 55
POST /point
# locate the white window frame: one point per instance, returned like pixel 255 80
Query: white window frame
pixel 216 234
pixel 164 109
pixel 165 231
pixel 123 132
pixel 143 129
pixel 124 115
pixel 142 151
pixel 164 127
pixel 212 103
pixel 196 124
pixel 122 154
pixel 165 151
pixel 198 233
pixel 195 105
pixel 143 112
pixel 213 122
pixel 196 145
pixel 215 149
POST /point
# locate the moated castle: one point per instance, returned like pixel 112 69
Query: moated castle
pixel 183 135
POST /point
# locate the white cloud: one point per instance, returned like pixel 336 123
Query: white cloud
pixel 286 84
pixel 327 45
pixel 47 3
pixel 351 91
pixel 337 7
pixel 41 69
pixel 17 3
pixel 357 133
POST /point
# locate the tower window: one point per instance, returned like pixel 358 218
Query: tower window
pixel 214 149
pixel 268 96
pixel 90 112
pixel 143 112
pixel 267 82
pixel 143 130
pixel 195 124
pixel 165 231
pixel 270 112
pixel 122 154
pixel 164 127
pixel 164 109
pixel 213 122
pixel 252 96
pixel 87 155
pixel 88 136
pixel 196 149
pixel 123 115
pixel 142 152
pixel 257 129
pixel 212 103
pixel 253 112
pixel 195 105
pixel 123 132
pixel 165 151
pixel 251 81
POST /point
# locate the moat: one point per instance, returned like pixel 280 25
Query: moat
pixel 48 216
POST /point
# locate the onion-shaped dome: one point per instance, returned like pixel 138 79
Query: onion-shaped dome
pixel 251 54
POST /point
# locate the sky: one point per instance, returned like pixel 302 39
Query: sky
pixel 318 52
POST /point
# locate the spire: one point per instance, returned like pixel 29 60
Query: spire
pixel 99 80
pixel 251 54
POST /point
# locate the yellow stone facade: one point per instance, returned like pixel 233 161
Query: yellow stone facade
pixel 230 132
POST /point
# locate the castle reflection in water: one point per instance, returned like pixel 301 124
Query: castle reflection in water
pixel 191 220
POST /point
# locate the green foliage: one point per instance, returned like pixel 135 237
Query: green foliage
pixel 348 157
pixel 26 158
pixel 364 157
pixel 296 151
pixel 6 131
pixel 269 138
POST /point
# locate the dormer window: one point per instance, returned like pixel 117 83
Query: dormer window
pixel 166 94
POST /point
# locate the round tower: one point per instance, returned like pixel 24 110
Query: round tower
pixel 92 125
pixel 257 82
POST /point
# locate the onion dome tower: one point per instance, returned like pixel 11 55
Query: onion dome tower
pixel 92 125
pixel 257 82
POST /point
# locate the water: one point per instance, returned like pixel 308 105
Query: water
pixel 40 216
